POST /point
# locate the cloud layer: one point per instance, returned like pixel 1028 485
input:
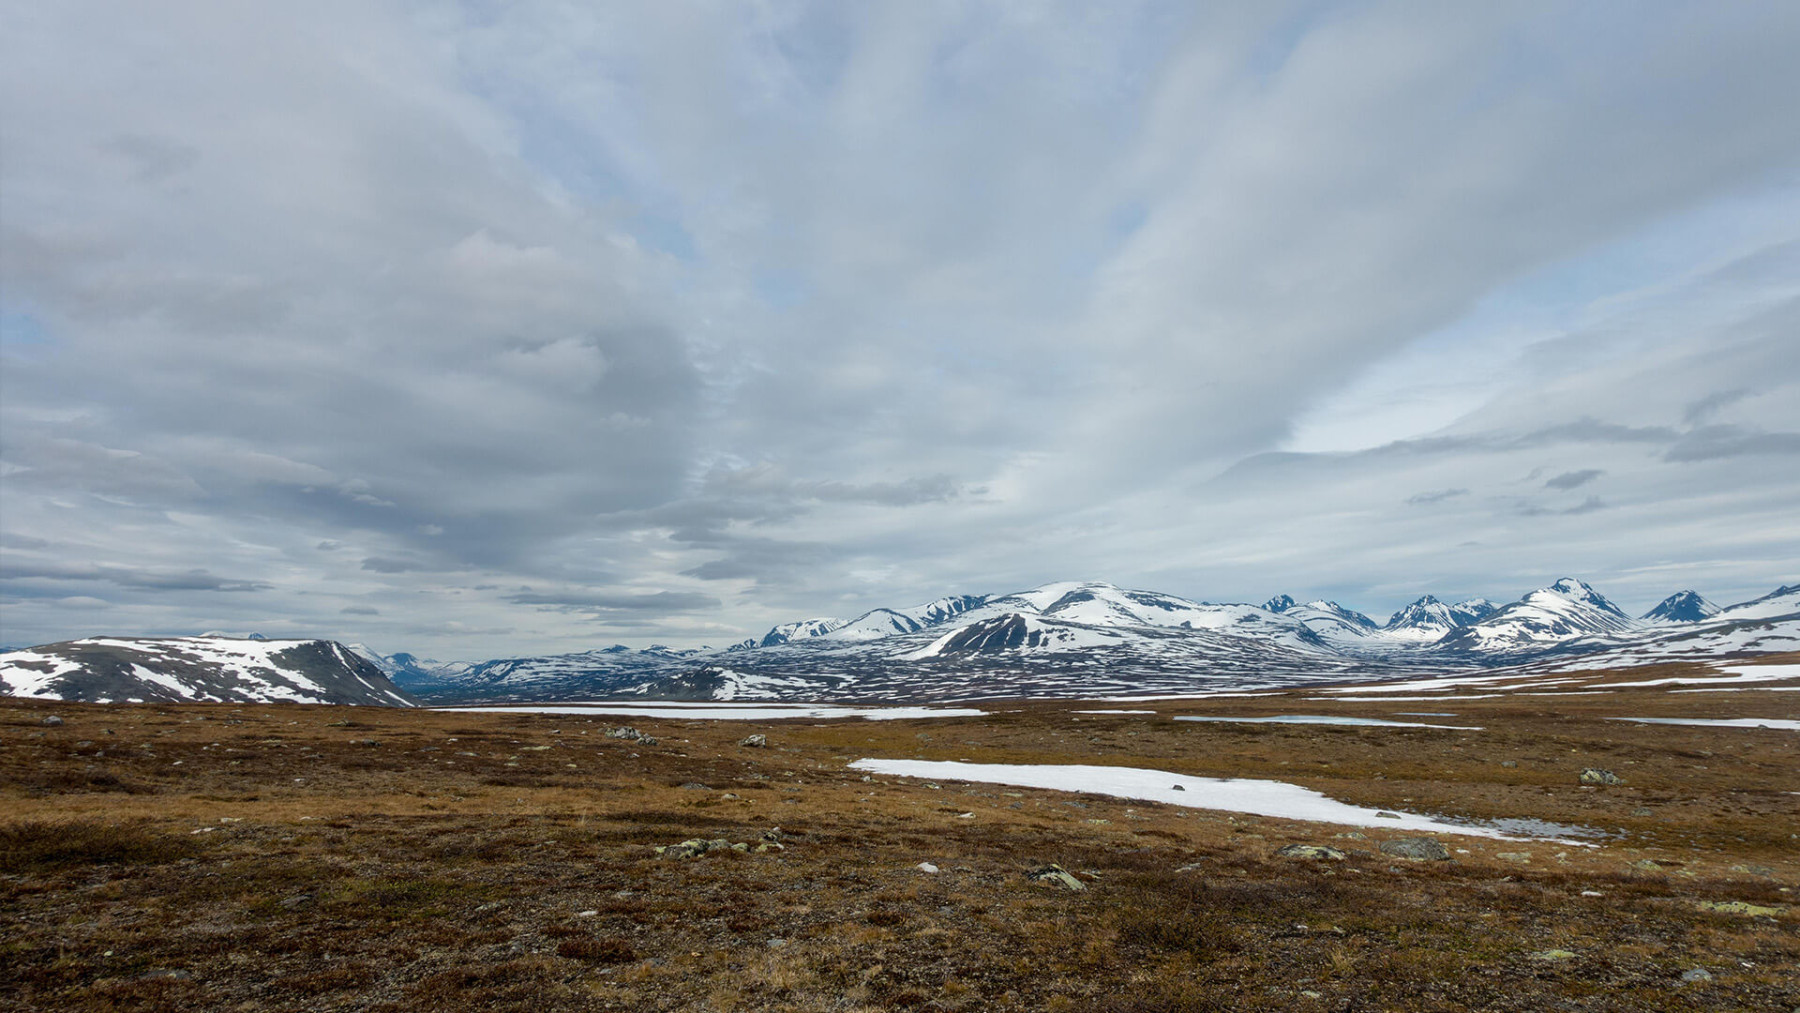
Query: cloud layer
pixel 474 331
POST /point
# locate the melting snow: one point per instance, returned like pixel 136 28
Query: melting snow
pixel 1245 795
pixel 1780 724
pixel 1328 719
pixel 729 712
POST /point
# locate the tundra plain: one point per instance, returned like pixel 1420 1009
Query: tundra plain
pixel 285 857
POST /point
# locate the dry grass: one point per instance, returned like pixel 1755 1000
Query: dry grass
pixel 268 859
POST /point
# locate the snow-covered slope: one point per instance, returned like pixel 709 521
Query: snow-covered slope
pixel 142 669
pixel 1429 620
pixel 1564 611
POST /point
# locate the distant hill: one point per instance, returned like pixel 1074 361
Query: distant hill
pixel 207 668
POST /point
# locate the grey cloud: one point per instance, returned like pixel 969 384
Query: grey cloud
pixel 359 610
pixel 1420 499
pixel 187 580
pixel 660 601
pixel 1706 407
pixel 383 564
pixel 1571 479
pixel 1712 442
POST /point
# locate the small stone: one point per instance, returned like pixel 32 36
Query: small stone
pixel 1384 815
pixel 298 900
pixel 1310 994
pixel 1177 787
pixel 1552 956
pixel 1192 867
pixel 587 914
pixel 695 786
pixel 926 867
pixel 1595 775
pixel 1351 836
pixel 1509 764
pixel 165 975
pixel 1311 851
pixel 1592 893
pixel 1416 849
pixel 52 721
pixel 1514 856
pixel 1055 875
pixel 754 741
pixel 777 943
pixel 1696 974
pixel 1643 810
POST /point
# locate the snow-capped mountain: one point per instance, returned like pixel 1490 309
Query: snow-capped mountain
pixel 205 668
pixel 1564 611
pixel 1682 607
pixel 801 630
pixel 1428 620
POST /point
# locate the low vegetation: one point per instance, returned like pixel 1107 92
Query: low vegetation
pixel 278 858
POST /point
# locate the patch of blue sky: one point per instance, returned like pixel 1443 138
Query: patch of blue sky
pixel 1684 264
pixel 22 333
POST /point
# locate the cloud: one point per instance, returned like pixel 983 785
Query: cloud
pixel 803 309
pixel 658 602
pixel 359 610
pixel 1571 479
pixel 381 564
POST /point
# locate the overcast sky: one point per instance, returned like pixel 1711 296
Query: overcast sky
pixel 524 328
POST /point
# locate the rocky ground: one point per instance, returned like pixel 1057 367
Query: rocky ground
pixel 252 857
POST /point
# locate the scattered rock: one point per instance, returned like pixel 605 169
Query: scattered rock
pixel 1735 907
pixel 1514 856
pixel 1416 849
pixel 53 721
pixel 926 867
pixel 696 786
pixel 1385 815
pixel 165 974
pixel 1509 764
pixel 1055 875
pixel 297 900
pixel 1192 867
pixel 1647 865
pixel 696 847
pixel 1552 956
pixel 754 741
pixel 1595 775
pixel 777 943
pixel 1177 787
pixel 1316 851
pixel 1643 810
pixel 630 734
pixel 1755 870
pixel 1694 974
pixel 1351 836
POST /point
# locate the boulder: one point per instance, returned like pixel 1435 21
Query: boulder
pixel 1313 851
pixel 1596 775
pixel 754 741
pixel 1055 875
pixel 1416 849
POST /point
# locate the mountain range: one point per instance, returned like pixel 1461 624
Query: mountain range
pixel 1063 639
